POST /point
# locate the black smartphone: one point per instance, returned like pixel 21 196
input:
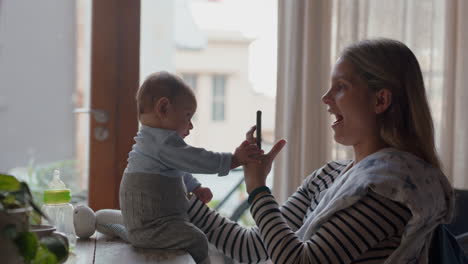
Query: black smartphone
pixel 258 130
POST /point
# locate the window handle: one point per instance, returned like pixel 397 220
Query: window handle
pixel 99 115
pixel 101 132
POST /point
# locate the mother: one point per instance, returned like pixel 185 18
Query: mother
pixel 380 207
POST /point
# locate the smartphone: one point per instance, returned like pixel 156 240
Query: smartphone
pixel 258 130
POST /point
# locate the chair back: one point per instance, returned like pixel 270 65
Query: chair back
pixel 445 249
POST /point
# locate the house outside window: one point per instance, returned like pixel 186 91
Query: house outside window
pixel 219 91
pixel 191 80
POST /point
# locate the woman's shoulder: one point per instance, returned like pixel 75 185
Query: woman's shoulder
pixel 396 172
pixel 393 165
pixel 404 177
pixel 395 159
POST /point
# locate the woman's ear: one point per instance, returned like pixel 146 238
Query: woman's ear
pixel 161 107
pixel 383 100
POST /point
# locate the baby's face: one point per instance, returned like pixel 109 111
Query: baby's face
pixel 180 115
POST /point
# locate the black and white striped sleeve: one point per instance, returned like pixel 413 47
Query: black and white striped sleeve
pixel 240 243
pixel 245 244
pixel 350 235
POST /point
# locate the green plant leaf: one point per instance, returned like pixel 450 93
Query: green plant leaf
pixel 44 256
pixel 27 244
pixel 56 246
pixel 10 202
pixel 38 210
pixel 34 218
pixel 29 198
pixel 9 183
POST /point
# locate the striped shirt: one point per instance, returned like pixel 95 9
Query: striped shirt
pixel 366 232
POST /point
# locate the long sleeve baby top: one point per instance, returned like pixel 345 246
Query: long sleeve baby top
pixel 164 152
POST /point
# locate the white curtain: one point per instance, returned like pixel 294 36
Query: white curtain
pixel 303 74
pixel 454 125
pixel 309 43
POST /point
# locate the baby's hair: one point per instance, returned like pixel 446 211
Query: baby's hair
pixel 158 85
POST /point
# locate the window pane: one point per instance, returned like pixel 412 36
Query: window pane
pixel 218 111
pixel 233 55
pixel 44 80
pixel 219 85
pixel 215 111
pixel 219 82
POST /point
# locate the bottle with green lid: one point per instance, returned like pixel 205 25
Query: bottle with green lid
pixel 58 208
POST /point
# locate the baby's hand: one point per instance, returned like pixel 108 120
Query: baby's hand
pixel 203 193
pixel 246 153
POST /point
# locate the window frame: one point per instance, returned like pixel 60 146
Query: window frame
pixel 115 54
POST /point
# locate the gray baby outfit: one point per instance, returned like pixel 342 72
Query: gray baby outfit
pixel 153 191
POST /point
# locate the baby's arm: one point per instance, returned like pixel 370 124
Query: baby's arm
pixel 175 153
pixel 193 185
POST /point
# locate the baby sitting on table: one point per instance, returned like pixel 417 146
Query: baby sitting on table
pixel 153 190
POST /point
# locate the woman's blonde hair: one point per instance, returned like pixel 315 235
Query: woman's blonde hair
pixel 407 123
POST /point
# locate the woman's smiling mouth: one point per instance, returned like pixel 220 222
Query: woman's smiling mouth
pixel 339 119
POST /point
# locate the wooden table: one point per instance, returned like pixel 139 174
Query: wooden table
pixel 102 249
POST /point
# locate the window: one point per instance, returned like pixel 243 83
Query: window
pixel 76 114
pixel 229 59
pixel 55 56
pixel 219 90
pixel 191 80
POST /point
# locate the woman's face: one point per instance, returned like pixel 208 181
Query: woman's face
pixel 353 106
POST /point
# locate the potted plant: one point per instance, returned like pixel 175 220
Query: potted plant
pixel 18 244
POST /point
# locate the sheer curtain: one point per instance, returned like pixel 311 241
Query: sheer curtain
pixel 432 29
pixel 454 125
pixel 303 73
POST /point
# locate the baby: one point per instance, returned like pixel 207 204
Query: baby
pixel 153 191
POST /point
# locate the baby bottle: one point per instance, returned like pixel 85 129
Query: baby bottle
pixel 58 209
